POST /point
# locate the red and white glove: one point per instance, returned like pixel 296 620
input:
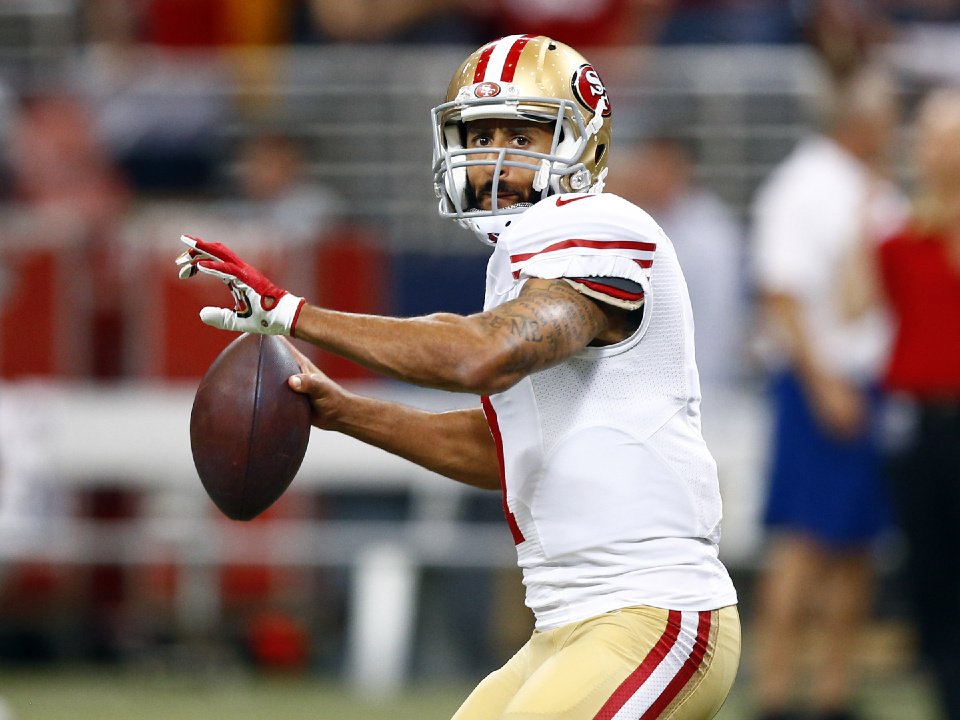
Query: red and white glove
pixel 259 305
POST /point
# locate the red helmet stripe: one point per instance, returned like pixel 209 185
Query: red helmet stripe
pixel 483 61
pixel 513 57
pixel 499 59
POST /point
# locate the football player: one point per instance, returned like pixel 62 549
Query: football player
pixel 589 414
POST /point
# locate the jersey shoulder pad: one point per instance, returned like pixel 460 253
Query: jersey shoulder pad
pixel 583 236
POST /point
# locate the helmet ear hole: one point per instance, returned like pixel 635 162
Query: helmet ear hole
pixel 599 153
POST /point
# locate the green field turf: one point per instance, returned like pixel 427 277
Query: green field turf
pixel 90 695
pixel 97 694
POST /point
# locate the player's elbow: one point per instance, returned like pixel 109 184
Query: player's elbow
pixel 487 371
pixel 480 362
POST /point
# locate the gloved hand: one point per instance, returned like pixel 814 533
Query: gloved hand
pixel 259 305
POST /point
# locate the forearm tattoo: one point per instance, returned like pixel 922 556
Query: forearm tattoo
pixel 547 323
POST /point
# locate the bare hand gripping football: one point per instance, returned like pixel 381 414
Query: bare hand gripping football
pixel 259 305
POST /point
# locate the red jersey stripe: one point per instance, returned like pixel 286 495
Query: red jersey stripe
pixel 631 245
pixel 636 245
pixel 686 672
pixel 494 424
pixel 643 672
pixel 513 57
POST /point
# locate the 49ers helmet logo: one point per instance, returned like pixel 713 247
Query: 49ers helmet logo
pixel 486 90
pixel 588 88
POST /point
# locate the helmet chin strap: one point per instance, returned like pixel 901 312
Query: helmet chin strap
pixel 596 122
pixel 542 178
pixel 601 181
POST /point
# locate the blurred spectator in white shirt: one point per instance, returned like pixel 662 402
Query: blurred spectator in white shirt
pixel 826 503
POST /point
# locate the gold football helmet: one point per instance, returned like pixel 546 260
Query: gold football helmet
pixel 533 78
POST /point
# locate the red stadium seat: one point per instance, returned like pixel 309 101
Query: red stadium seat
pixel 29 325
pixel 352 274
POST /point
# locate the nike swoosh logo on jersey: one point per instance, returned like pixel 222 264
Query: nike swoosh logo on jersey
pixel 561 202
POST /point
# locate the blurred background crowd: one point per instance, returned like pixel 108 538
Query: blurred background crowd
pixel 788 149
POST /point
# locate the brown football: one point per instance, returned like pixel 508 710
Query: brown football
pixel 248 429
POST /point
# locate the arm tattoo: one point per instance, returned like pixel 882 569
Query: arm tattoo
pixel 546 324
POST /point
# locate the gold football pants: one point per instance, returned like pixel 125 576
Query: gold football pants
pixel 639 663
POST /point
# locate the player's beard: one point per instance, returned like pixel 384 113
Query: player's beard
pixel 523 195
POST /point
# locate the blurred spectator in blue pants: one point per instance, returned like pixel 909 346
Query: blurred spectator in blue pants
pixel 825 504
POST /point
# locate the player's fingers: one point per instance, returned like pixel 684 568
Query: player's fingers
pixel 218 251
pixel 189 240
pixel 196 250
pixel 227 272
pixel 189 259
pixel 202 249
pixel 312 383
pixel 326 397
pixel 220 318
pixel 306 365
pixel 187 263
pixel 197 245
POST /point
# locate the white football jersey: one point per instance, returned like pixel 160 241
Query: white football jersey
pixel 609 489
